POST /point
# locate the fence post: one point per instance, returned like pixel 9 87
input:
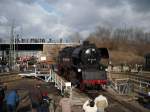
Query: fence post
pixel 53 76
pixel 71 93
pixel 55 79
pixel 35 71
pixel 50 74
pixel 141 87
pixel 61 85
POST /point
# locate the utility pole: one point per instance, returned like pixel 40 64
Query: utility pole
pixel 12 48
pixel 14 52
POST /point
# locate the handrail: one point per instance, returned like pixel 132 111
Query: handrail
pixel 60 83
pixel 63 86
pixel 115 85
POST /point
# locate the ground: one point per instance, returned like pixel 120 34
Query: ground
pixel 25 85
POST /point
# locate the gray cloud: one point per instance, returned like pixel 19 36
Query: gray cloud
pixel 142 6
pixel 12 1
pixel 52 1
pixel 64 17
pixel 110 3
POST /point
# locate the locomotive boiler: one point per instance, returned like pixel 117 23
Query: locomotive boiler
pixel 81 65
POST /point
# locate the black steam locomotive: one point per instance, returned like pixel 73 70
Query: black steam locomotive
pixel 81 65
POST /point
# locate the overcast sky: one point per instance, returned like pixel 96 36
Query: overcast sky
pixel 61 18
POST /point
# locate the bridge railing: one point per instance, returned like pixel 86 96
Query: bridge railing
pixel 126 83
pixel 60 83
pixel 121 86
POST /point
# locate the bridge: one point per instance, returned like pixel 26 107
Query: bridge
pixel 10 51
pixel 31 46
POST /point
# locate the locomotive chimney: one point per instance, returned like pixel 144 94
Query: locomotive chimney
pixel 86 43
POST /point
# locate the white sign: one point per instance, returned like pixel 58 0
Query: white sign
pixel 68 84
pixel 43 58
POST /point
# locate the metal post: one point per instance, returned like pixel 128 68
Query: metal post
pixel 35 70
pixel 61 87
pixel 11 56
pixel 119 89
pixel 140 86
pixel 27 65
pixel 14 59
pixel 55 80
pixel 71 94
pixel 51 75
pixel 116 87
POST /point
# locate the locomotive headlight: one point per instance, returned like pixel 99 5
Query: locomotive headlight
pixel 106 69
pixel 93 50
pixel 79 69
pixel 87 51
pixel 148 93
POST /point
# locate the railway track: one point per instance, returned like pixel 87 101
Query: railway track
pixel 116 104
pixel 141 75
pixel 7 77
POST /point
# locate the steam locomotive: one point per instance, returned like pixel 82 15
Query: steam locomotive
pixel 81 65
